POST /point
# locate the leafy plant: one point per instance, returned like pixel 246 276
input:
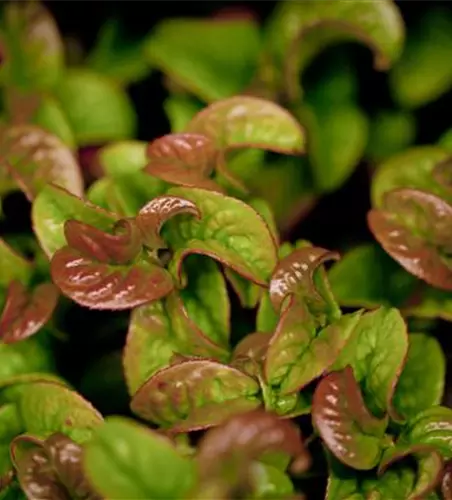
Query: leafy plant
pixel 159 282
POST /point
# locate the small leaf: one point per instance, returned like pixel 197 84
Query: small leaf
pixel 97 109
pixel 14 267
pixel 210 59
pixel 270 482
pixel 446 484
pixel 122 157
pixel 410 169
pixel 119 458
pixel 33 50
pixel 300 30
pixel 422 74
pixel 298 354
pixel 228 230
pixel 339 413
pixel 413 228
pixel 195 394
pixel 249 122
pixel 249 354
pixel 154 214
pixel 421 382
pixel 33 157
pixel 23 313
pixel 48 407
pixel 431 303
pixel 180 109
pixel 53 207
pixel 376 352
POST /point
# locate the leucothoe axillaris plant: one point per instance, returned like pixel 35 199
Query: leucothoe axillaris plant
pixel 138 270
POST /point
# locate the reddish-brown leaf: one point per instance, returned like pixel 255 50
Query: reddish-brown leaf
pixel 446 484
pixel 153 215
pixel 25 313
pixel 250 353
pixel 415 229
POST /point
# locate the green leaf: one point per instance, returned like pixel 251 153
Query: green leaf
pixel 10 427
pixel 298 353
pixel 269 482
pixel 33 46
pixel 195 394
pixel 180 109
pixel 48 407
pixel 53 207
pixel 117 56
pixel 338 137
pixel 423 73
pixel 228 231
pixel 421 383
pixel 298 31
pixel 34 157
pixel 13 265
pixel 123 158
pixel 431 303
pixel 410 169
pixel 376 352
pixel 249 122
pixel 344 423
pixel 445 141
pixel 391 131
pixel 97 109
pixel 210 59
pixel 367 277
pixel 119 458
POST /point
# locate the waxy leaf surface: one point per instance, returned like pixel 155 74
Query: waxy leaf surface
pixel 346 426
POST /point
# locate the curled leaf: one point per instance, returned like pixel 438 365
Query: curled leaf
pixel 25 313
pixel 249 354
pixel 414 228
pixel 346 426
pixel 100 285
pixel 33 157
pixel 249 122
pixel 247 437
pixel 152 216
pixel 195 394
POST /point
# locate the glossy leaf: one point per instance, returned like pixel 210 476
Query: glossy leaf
pixel 97 109
pixel 157 332
pixel 298 31
pixel 154 214
pixel 195 394
pixel 410 169
pixel 366 276
pixel 34 52
pixel 413 229
pixel 122 157
pixel 25 313
pixel 249 354
pixel 298 353
pixel 346 426
pixel 376 352
pixel 211 59
pixel 122 453
pixel 421 382
pixel 48 407
pixel 33 157
pixel 228 231
pixel 422 74
pixel 249 122
pixel 53 207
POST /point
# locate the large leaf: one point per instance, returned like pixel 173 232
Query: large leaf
pixel 249 122
pixel 127 460
pixel 298 31
pixel 410 169
pixel 157 332
pixel 97 109
pixel 421 383
pixel 423 73
pixel 228 231
pixel 367 277
pixel 33 158
pixel 32 45
pixel 376 352
pixel 195 394
pixel 211 59
pixel 53 207
pixel 346 426
pixel 413 228
pixel 298 353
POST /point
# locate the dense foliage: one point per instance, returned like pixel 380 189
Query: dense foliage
pixel 128 280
